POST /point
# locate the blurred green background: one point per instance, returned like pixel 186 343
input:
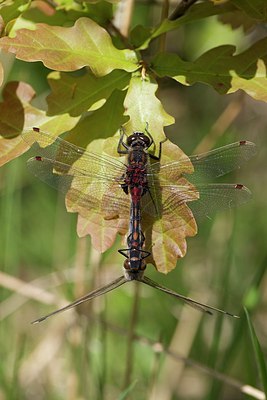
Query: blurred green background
pixel 86 353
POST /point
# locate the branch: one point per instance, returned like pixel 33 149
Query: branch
pixel 181 9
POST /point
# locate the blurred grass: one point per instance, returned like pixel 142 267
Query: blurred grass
pixel 83 354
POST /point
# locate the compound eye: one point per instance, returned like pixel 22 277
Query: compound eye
pixel 127 264
pixel 131 139
pixel 146 140
pixel 143 265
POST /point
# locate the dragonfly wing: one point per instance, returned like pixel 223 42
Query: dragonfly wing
pixel 90 163
pixel 215 197
pixel 90 180
pixel 169 186
pixel 219 162
pixel 83 194
pixel 215 163
pixel 209 198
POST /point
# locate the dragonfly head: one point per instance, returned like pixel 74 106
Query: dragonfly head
pixel 138 139
pixel 134 269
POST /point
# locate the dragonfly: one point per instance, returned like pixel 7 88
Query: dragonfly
pixel 94 181
pixel 134 268
pixel 142 180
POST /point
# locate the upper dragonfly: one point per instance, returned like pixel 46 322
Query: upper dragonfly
pixel 98 182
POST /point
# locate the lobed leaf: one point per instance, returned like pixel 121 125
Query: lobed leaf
pixel 74 95
pixel 103 232
pixel 16 114
pixel 145 109
pixel 69 49
pixel 216 67
pixel 256 9
pixel 256 87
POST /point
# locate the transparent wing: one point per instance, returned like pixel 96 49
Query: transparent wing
pixel 212 164
pixel 219 162
pixel 211 198
pixel 90 164
pixel 90 180
pixel 170 190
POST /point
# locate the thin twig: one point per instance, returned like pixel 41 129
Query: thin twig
pixel 164 15
pixel 181 9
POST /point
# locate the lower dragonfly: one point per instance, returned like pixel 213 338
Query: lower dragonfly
pixel 134 268
pixel 54 165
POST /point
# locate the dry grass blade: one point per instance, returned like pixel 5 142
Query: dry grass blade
pixel 25 289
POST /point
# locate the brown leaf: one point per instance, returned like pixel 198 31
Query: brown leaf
pixel 17 114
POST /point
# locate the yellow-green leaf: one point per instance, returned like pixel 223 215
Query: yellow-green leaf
pixel 145 109
pixel 68 49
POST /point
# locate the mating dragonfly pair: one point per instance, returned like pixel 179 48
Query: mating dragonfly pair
pixel 107 185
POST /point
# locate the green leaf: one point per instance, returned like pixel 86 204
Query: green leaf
pixel 69 49
pixel 13 9
pixel 196 12
pixel 258 353
pixel 237 19
pixel 139 35
pixel 255 87
pixel 17 114
pixel 74 95
pixel 101 124
pixel 216 67
pixel 145 109
pixel 256 9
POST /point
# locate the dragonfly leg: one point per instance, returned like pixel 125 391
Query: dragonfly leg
pixel 144 253
pixel 122 143
pixel 153 156
pixel 123 252
pixel 125 188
